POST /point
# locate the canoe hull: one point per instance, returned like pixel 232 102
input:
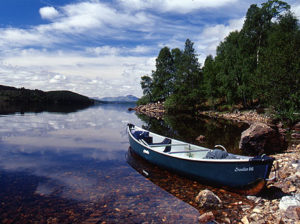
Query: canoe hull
pixel 234 174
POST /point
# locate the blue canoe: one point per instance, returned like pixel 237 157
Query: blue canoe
pixel 212 166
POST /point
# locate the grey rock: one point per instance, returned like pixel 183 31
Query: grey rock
pixel 288 201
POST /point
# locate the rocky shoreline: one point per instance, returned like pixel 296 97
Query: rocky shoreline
pixel 239 116
pixel 155 110
pixel 280 202
pixel 283 203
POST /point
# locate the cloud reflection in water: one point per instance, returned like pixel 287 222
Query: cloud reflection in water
pixel 65 147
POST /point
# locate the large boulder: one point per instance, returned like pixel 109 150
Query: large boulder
pixel 260 138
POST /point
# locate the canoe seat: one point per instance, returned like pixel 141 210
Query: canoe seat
pixel 166 141
pixel 142 135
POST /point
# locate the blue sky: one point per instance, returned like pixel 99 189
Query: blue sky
pixel 101 48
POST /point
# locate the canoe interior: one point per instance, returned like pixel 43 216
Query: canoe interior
pixel 179 149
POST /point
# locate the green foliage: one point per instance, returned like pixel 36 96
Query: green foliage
pixel 261 62
pixel 170 104
pixel 188 80
pixel 162 77
pixel 146 84
pixel 258 65
pixel 280 68
pixel 177 79
pixel 143 100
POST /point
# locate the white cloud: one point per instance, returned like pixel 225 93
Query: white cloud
pixel 104 50
pixel 13 37
pixel 80 17
pixel 296 9
pixel 211 36
pixel 83 20
pixel 178 6
pixel 114 51
pixel 48 12
pixel 57 79
pixel 106 47
pixel 141 49
pixel 98 75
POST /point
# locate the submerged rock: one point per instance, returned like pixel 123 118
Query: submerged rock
pixel 207 198
pixel 261 138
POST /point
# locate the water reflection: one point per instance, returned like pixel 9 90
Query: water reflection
pixel 71 168
pixel 9 108
pixel 186 189
pixel 188 128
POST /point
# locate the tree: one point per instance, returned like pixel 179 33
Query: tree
pixel 146 84
pixel 258 22
pixel 228 69
pixel 210 80
pixel 188 77
pixel 280 68
pixel 163 75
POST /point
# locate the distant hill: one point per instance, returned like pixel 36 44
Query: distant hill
pixel 22 99
pixel 22 95
pixel 119 99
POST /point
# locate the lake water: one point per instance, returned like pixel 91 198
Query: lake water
pixel 78 168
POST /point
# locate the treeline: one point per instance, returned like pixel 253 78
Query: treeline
pixel 256 66
pixel 12 95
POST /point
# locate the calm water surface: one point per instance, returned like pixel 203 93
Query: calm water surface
pixel 78 168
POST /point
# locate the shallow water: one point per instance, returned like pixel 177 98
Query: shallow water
pixel 78 168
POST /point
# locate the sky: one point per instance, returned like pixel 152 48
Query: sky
pixel 101 48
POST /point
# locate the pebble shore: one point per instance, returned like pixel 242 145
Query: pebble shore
pixel 269 207
pixel 245 116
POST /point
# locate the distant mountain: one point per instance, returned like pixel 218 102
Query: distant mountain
pixel 120 99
